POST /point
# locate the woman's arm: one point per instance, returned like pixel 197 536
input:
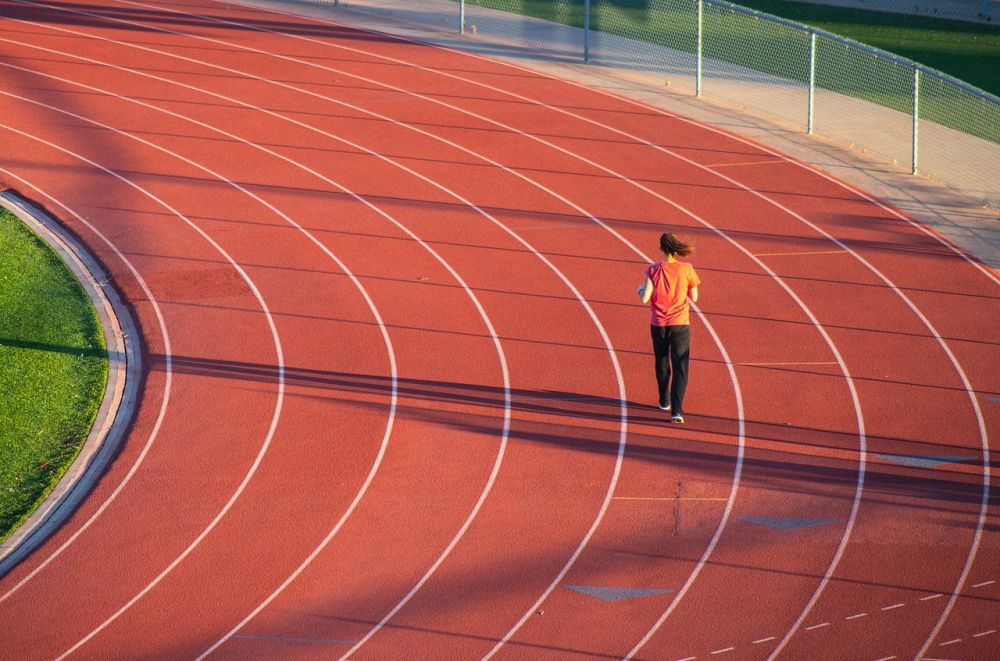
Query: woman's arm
pixel 645 290
pixel 693 294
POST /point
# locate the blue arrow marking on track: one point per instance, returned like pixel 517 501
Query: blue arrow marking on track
pixel 784 523
pixel 922 462
pixel 614 594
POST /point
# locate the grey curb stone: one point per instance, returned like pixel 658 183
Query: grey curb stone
pixel 120 395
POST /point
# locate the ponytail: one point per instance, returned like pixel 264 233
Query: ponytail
pixel 671 245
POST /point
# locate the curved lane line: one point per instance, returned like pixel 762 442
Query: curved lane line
pixel 969 389
pixel 267 313
pixel 167 369
pixel 703 560
pixel 468 290
pixel 357 283
pixel 586 305
pixel 973 551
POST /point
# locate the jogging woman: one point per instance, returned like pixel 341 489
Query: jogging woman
pixel 669 287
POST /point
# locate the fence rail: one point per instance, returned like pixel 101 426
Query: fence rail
pixel 894 110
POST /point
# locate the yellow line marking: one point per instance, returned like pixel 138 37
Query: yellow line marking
pixel 727 165
pixel 783 364
pixel 793 254
pixel 660 498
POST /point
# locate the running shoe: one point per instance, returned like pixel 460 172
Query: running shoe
pixel 677 419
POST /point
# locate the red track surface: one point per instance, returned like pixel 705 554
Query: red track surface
pixel 399 390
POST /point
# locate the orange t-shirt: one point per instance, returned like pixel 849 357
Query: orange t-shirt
pixel 671 282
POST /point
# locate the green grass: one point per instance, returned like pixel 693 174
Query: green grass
pixel 967 51
pixel 53 370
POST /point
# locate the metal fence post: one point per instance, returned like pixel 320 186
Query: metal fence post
pixel 698 54
pixel 812 81
pixel 461 16
pixel 916 118
pixel 586 30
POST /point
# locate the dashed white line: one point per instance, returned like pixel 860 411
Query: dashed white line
pixel 932 596
pixel 817 626
pixel 951 642
pixel 728 649
pixel 764 640
pixel 893 607
pixel 856 616
pixel 983 584
pixel 887 658
pixel 983 633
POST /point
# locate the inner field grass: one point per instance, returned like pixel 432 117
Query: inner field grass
pixel 53 370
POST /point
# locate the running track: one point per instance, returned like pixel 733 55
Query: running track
pixel 398 400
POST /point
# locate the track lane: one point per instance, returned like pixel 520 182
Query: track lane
pixel 182 401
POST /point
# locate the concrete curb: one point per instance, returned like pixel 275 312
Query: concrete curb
pixel 120 395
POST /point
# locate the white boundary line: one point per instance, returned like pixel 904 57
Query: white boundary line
pixel 855 399
pixel 586 305
pixel 475 300
pixel 985 443
pixel 274 335
pixel 821 330
pixel 168 360
pixel 352 277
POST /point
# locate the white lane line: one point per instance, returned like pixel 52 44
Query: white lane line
pixel 817 626
pixel 797 254
pixel 862 451
pixel 370 478
pixel 950 642
pixel 167 382
pixel 622 398
pixel 496 466
pixel 983 584
pixel 984 633
pixel 765 640
pixel 893 607
pixel 821 330
pixel 973 550
pixel 931 596
pixel 357 283
pixel 889 658
pixel 279 357
pixel 723 651
pixel 610 349
pixel 985 443
pixel 856 616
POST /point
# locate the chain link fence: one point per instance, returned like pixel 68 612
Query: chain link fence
pixel 893 110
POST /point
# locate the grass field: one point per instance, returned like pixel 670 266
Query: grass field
pixel 53 370
pixel 966 51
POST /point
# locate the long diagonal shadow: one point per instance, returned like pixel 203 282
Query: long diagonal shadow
pixel 583 423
